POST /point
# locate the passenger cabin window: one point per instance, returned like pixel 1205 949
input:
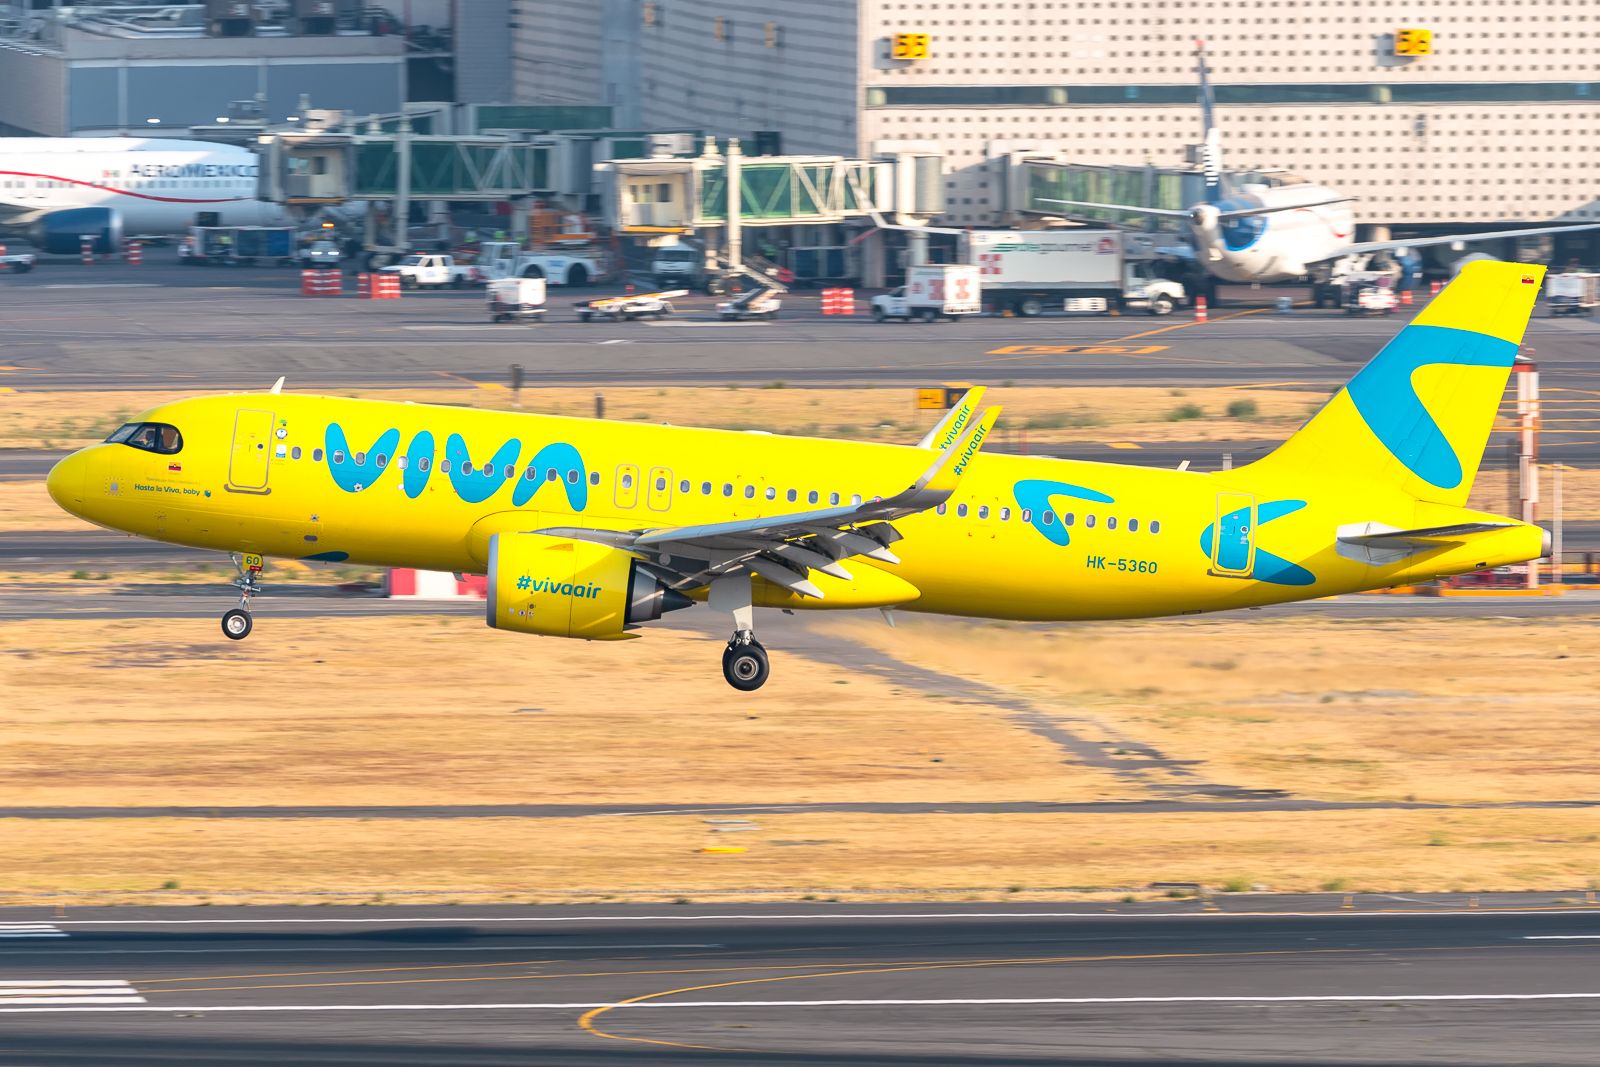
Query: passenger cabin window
pixel 1088 520
pixel 749 492
pixel 792 495
pixel 422 462
pixel 159 437
pixel 727 488
pixel 594 477
pixel 1111 522
pixel 1068 519
pixel 294 453
pixel 683 486
pixel 627 481
pixel 983 511
pixel 1133 525
pixel 811 497
pixel 705 488
pixel 316 457
pixel 961 511
pixel 1155 526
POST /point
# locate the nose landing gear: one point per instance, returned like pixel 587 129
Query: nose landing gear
pixel 236 622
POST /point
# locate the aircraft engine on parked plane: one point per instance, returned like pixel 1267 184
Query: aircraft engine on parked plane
pixel 61 233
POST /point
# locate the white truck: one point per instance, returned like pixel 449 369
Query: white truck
pixel 682 265
pixel 574 267
pixel 935 291
pixel 1028 271
pixel 516 299
pixel 1573 293
pixel 433 270
pixel 17 262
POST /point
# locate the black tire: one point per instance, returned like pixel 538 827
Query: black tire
pixel 236 624
pixel 1030 307
pixel 929 315
pixel 407 282
pixel 578 276
pixel 772 316
pixel 1161 305
pixel 458 282
pixel 746 667
pixel 533 272
pixel 20 268
pixel 879 316
pixel 666 309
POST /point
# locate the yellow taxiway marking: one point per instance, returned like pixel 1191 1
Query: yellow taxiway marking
pixel 586 1021
pixel 1194 322
pixel 1110 345
pixel 1123 444
pixel 469 381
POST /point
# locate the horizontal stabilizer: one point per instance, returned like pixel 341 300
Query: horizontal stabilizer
pixel 1376 542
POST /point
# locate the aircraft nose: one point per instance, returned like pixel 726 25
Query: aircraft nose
pixel 66 480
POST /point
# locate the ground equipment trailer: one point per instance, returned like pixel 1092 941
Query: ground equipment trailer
pixel 516 300
pixel 758 303
pixel 619 308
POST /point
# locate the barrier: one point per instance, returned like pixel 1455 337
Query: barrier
pixel 838 301
pixel 86 248
pixel 1405 297
pixel 1200 309
pixel 378 286
pixel 320 283
pixel 135 253
pixel 406 583
pixel 1434 287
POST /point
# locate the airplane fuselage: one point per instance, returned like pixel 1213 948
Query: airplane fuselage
pixel 319 478
pixel 1298 227
pixel 157 186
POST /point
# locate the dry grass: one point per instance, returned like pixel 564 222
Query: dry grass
pixel 437 710
pixel 25 506
pixel 1432 709
pixel 789 856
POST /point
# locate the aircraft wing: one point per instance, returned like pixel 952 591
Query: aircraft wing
pixel 1464 238
pixel 785 548
pixel 1126 209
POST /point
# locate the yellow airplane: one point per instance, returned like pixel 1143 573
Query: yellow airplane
pixel 588 528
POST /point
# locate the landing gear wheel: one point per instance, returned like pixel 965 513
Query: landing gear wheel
pixel 745 666
pixel 236 624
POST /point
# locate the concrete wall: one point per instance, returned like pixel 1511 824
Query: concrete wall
pixel 33 94
pixel 1408 163
pixel 483 52
pixel 556 51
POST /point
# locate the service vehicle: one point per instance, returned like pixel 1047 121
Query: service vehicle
pixel 1573 293
pixel 433 270
pixel 320 254
pixel 934 291
pixel 1362 297
pixel 1028 271
pixel 637 306
pixel 682 264
pixel 761 302
pixel 571 266
pixel 516 299
pixel 18 262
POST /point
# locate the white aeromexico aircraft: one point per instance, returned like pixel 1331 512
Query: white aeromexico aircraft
pixel 56 190
pixel 1277 233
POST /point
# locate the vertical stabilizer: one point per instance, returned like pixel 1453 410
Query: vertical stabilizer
pixel 1210 136
pixel 1419 414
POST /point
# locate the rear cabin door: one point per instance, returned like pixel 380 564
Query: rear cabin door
pixel 658 495
pixel 1233 548
pixel 252 444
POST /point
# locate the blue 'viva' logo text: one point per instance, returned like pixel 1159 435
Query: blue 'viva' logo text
pixel 356 471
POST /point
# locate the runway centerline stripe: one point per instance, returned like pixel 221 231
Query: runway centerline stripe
pixel 1316 998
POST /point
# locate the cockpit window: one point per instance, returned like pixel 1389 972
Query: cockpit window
pixel 158 437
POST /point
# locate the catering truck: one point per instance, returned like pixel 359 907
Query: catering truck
pixel 937 291
pixel 1028 272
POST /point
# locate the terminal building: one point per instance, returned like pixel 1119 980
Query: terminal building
pixel 1467 114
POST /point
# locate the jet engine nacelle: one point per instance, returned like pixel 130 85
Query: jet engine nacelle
pixel 563 587
pixel 61 233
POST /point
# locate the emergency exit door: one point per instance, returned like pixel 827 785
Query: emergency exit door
pixel 1233 541
pixel 252 445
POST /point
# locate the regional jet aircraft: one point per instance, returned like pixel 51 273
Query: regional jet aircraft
pixel 594 529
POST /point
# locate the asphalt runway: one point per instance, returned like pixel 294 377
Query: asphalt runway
pixel 1314 982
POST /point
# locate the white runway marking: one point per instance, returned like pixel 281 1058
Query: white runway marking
pixel 76 991
pixel 1561 937
pixel 823 916
pixel 658 1005
pixel 102 285
pixel 30 930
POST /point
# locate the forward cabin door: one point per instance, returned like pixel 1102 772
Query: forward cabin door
pixel 1233 547
pixel 252 445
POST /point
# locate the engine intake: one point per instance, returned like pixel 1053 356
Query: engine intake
pixel 563 587
pixel 61 233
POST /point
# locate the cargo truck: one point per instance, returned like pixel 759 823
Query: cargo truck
pixel 1572 293
pixel 1028 272
pixel 940 291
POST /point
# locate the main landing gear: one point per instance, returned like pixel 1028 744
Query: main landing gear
pixel 236 622
pixel 744 661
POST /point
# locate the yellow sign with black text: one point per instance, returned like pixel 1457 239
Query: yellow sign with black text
pixel 908 46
